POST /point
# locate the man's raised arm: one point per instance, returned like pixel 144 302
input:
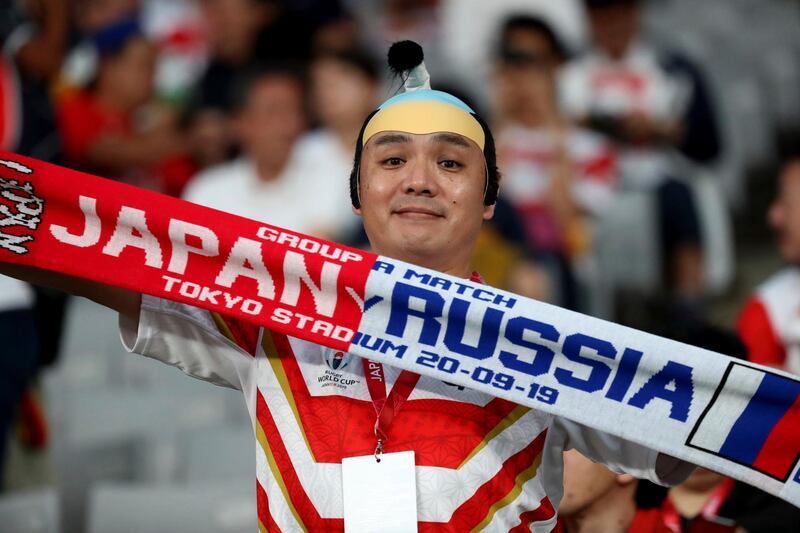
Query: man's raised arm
pixel 121 300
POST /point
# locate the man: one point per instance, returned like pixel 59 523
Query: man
pixel 241 34
pixel 596 499
pixel 269 181
pixel 424 181
pixel 32 41
pixel 560 178
pixel 654 107
pixel 344 88
pixel 769 323
pixel 99 125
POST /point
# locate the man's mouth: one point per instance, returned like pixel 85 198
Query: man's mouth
pixel 418 212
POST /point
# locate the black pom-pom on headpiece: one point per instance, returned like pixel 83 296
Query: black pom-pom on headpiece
pixel 404 56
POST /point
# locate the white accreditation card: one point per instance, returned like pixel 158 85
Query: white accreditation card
pixel 380 496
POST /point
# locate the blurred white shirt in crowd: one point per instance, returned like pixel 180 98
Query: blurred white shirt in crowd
pixel 596 85
pixel 296 199
pixel 327 163
pixel 527 156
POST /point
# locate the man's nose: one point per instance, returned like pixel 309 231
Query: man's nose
pixel 420 179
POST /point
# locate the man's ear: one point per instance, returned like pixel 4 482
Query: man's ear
pixel 488 212
pixel 356 210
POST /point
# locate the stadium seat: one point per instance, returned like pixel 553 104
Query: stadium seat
pixel 626 250
pixel 627 245
pixel 123 435
pixel 30 512
pixel 212 508
pixel 216 454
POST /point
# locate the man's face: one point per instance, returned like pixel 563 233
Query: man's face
pixel 526 74
pixel 231 20
pixel 272 118
pixel 784 214
pixel 422 198
pixel 131 73
pixel 340 93
pixel 614 27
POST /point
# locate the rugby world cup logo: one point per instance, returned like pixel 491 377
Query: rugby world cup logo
pixel 336 359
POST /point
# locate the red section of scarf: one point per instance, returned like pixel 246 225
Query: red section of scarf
pixel 81 225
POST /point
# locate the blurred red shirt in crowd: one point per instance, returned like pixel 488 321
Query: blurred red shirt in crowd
pixel 112 128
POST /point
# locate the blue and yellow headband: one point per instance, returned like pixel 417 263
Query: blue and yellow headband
pixel 422 111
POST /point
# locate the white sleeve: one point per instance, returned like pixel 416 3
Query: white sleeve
pixel 188 338
pixel 574 96
pixel 620 455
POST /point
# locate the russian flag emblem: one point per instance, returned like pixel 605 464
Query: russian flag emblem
pixel 757 425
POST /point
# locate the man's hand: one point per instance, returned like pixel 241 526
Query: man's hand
pixel 638 128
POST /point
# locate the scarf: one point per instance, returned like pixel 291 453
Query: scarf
pixel 731 416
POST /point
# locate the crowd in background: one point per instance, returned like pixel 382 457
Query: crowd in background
pixel 630 136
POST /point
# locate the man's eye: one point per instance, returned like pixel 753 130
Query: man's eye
pixel 393 161
pixel 449 164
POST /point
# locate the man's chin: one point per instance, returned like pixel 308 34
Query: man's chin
pixel 416 230
pixel 417 248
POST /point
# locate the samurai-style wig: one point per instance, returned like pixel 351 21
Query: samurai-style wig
pixel 421 110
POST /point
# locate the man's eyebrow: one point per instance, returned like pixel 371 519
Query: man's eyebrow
pixel 451 138
pixel 392 138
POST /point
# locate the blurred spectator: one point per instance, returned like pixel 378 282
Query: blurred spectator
pixel 558 177
pixel 653 106
pixel 33 43
pixel 33 48
pixel 596 499
pixel 331 24
pixel 640 96
pixel 89 18
pixel 385 22
pixel 107 128
pixel 177 28
pixel 18 354
pixel 269 182
pixel 233 27
pixel 242 34
pixel 470 29
pixel 711 502
pixel 339 34
pixel 769 324
pixel 92 16
pixel 344 90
